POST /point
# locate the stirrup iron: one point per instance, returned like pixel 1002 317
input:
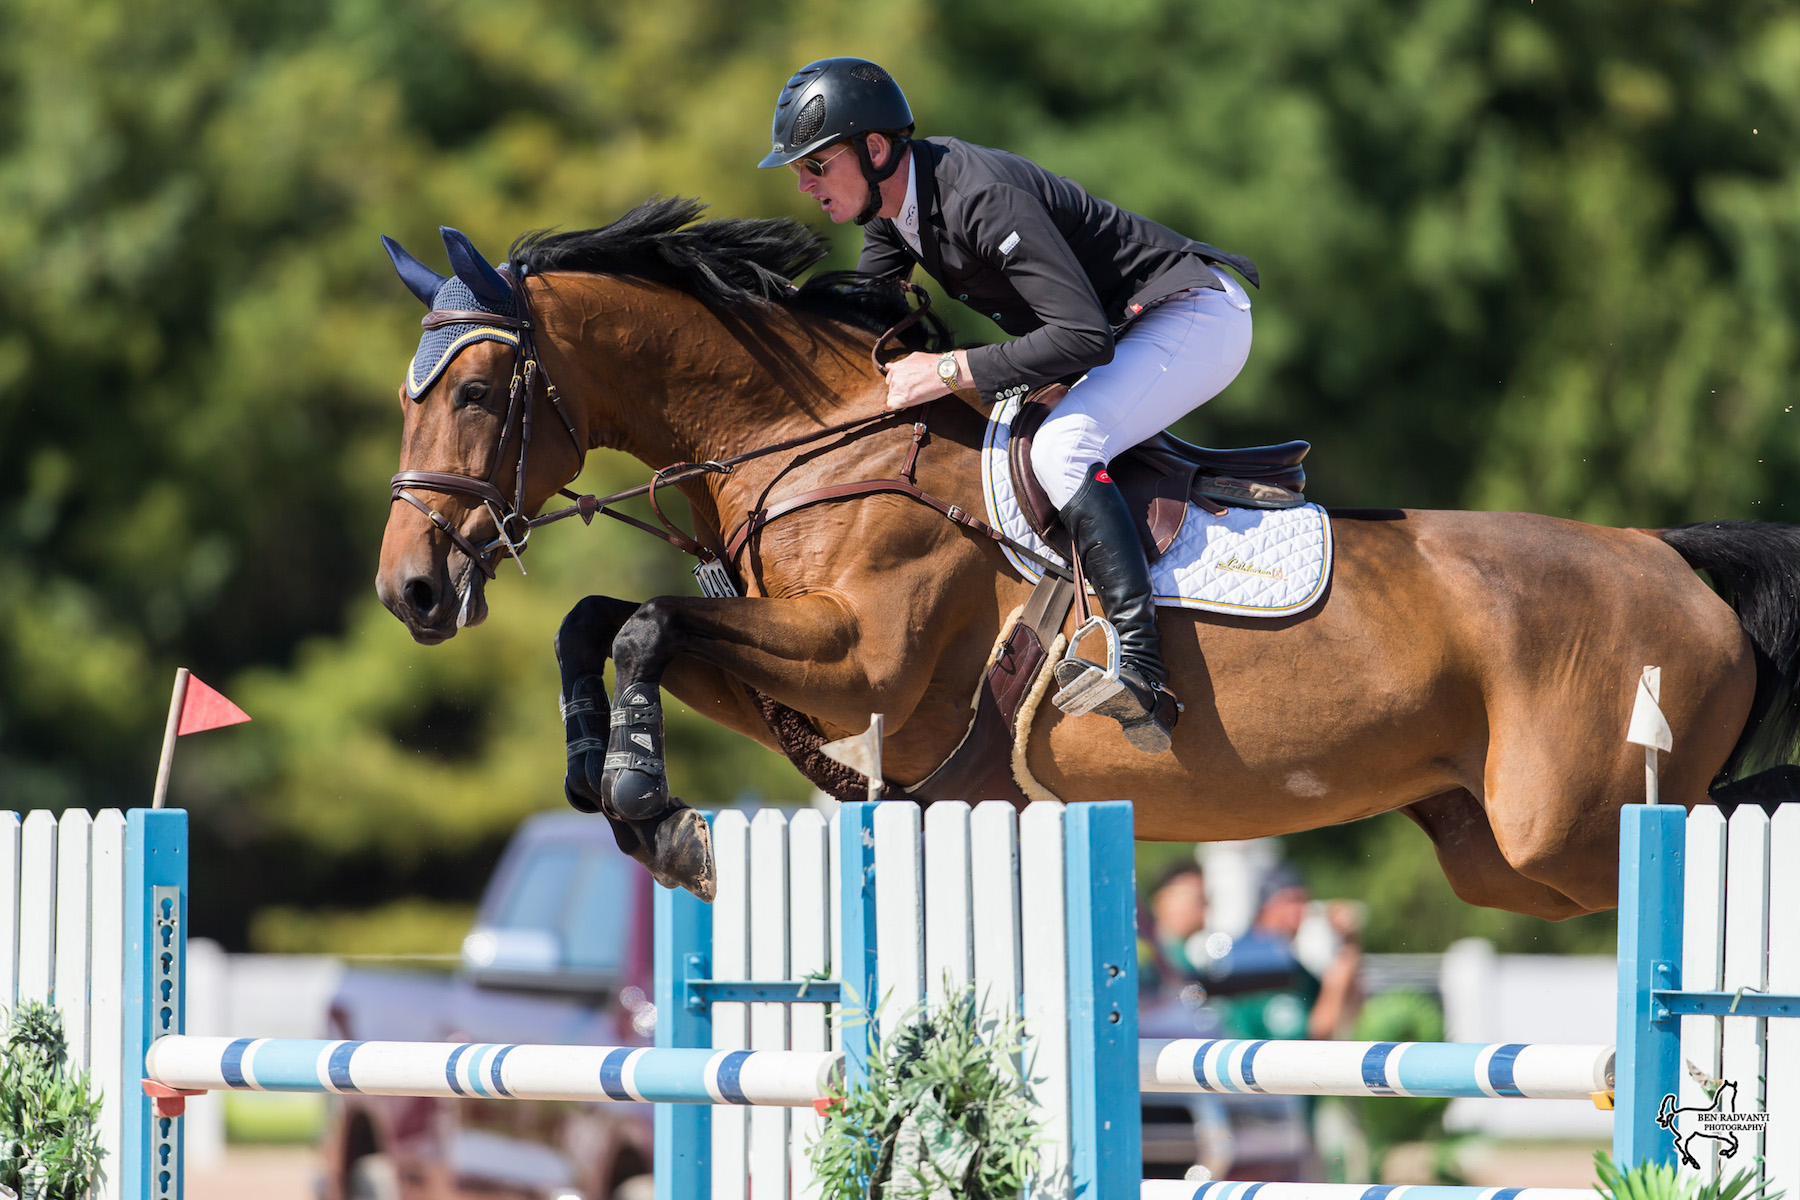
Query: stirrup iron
pixel 1095 684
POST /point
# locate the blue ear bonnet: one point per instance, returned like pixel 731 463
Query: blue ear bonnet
pixel 475 287
pixel 438 346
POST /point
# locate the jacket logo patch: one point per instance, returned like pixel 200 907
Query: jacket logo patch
pixel 1012 240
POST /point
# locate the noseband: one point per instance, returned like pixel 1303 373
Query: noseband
pixel 510 522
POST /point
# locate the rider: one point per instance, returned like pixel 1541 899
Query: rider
pixel 1135 309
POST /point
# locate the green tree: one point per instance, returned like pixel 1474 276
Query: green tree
pixel 1515 255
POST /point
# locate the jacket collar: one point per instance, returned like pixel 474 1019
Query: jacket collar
pixel 925 159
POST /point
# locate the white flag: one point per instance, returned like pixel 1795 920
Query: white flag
pixel 1649 727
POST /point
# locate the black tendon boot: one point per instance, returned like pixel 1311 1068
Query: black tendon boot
pixel 586 710
pixel 1113 559
pixel 675 838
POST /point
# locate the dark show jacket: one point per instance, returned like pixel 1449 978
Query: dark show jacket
pixel 1040 256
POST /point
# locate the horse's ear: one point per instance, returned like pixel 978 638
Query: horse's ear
pixel 419 279
pixel 472 269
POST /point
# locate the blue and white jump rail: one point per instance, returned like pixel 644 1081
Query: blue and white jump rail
pixel 1175 1189
pixel 1291 1068
pixel 473 1070
pixel 1036 910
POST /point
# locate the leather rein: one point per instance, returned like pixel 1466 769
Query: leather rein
pixel 513 528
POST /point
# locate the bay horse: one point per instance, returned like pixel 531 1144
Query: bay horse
pixel 1473 670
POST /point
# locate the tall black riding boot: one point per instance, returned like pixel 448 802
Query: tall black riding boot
pixel 1112 557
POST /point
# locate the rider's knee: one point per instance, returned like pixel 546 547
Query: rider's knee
pixel 1060 458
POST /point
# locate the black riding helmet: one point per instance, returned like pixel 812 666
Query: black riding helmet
pixel 835 99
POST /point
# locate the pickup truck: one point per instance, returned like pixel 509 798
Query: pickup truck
pixel 560 954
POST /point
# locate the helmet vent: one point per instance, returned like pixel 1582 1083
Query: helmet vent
pixel 870 73
pixel 809 122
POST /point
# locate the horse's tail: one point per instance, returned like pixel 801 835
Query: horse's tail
pixel 1756 567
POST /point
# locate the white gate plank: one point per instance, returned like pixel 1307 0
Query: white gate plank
pixel 769 1022
pixel 1044 922
pixel 1746 960
pixel 994 854
pixel 899 913
pixel 731 1021
pixel 809 902
pixel 1702 968
pixel 1781 1164
pixel 106 1025
pixel 74 883
pixel 834 884
pixel 949 952
pixel 10 885
pixel 37 905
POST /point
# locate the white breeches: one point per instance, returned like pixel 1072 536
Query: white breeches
pixel 1170 361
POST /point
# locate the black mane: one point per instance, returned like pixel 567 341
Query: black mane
pixel 726 262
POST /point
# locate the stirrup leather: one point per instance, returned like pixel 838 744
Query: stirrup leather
pixel 1087 684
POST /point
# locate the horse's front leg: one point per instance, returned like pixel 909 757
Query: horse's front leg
pixel 583 644
pixel 811 652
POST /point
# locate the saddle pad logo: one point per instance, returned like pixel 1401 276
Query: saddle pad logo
pixel 1234 563
pixel 1249 562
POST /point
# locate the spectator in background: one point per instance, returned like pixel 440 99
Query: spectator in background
pixel 1177 912
pixel 1266 991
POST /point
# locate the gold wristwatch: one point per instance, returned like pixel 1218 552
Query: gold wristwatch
pixel 947 370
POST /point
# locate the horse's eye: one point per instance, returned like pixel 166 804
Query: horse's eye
pixel 472 392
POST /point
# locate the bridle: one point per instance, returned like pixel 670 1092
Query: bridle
pixel 513 527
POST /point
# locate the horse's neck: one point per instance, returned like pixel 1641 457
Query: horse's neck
pixel 671 380
pixel 666 379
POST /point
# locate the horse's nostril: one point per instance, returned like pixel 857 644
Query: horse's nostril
pixel 421 595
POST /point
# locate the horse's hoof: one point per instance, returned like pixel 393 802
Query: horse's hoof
pixel 684 854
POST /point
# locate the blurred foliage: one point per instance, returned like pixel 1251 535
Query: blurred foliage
pixel 405 928
pixel 273 1118
pixel 1515 255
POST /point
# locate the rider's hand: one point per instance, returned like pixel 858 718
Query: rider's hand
pixel 915 379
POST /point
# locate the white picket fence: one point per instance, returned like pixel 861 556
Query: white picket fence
pixel 1741 930
pixel 963 892
pixel 62 924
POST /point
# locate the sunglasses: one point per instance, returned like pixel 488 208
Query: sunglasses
pixel 816 166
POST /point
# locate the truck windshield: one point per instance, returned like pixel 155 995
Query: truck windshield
pixel 582 895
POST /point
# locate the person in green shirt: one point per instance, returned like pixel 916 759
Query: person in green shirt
pixel 1261 988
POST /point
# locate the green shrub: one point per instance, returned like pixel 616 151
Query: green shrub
pixel 944 1114
pixel 49 1149
pixel 1653 1181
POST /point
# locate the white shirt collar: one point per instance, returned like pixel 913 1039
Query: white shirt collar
pixel 908 220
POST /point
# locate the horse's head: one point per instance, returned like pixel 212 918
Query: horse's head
pixel 467 415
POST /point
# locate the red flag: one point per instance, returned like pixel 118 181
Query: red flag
pixel 203 709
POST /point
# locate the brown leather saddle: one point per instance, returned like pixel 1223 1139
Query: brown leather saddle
pixel 1161 477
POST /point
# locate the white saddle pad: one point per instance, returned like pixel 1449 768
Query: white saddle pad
pixel 1253 562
